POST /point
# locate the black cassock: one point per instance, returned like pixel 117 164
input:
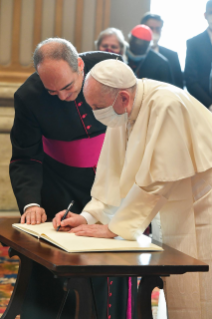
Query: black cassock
pixel 153 66
pixel 51 140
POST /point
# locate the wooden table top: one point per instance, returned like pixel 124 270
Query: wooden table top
pixel 167 262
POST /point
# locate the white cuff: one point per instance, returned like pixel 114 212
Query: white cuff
pixel 90 219
pixel 29 205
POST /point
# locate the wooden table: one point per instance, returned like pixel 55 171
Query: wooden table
pixel 77 266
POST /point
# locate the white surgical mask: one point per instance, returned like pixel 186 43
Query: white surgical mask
pixel 133 57
pixel 209 19
pixel 155 38
pixel 109 117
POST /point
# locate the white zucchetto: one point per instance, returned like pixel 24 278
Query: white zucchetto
pixel 114 73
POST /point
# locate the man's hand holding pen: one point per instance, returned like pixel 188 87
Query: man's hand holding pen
pixel 72 220
pixel 77 224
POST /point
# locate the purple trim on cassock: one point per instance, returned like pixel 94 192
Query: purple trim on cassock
pixel 78 153
pixel 129 301
pixel 31 159
pixel 108 295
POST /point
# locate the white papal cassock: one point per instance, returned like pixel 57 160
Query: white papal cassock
pixel 162 162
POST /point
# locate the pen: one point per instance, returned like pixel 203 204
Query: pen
pixel 66 213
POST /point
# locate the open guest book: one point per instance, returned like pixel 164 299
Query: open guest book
pixel 72 243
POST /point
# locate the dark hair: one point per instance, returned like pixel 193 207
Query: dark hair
pixel 208 5
pixel 57 49
pixel 150 15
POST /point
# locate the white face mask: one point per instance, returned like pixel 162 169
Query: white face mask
pixel 209 19
pixel 109 117
pixel 155 38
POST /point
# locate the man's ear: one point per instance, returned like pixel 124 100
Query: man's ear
pixel 80 64
pixel 125 97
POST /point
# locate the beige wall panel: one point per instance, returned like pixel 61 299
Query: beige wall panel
pixel 26 39
pixel 107 5
pixel 125 14
pixel 7 198
pixel 78 25
pixel 68 24
pixel 48 19
pixel 6 150
pixel 6 13
pixel 6 121
pixel 89 18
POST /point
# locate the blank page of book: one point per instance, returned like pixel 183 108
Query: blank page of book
pixel 72 243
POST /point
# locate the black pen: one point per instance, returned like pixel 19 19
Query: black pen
pixel 66 213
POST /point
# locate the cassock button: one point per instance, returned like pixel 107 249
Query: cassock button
pixel 111 282
pixel 80 103
pixel 84 116
pixel 88 127
pixel 110 294
pixel 110 305
pixel 109 316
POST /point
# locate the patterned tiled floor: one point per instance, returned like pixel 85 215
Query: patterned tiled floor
pixel 8 275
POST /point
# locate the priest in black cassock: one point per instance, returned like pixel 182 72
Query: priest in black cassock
pixel 56 145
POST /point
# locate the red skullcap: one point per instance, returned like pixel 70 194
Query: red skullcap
pixel 142 32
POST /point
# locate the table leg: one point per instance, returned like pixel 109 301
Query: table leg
pixel 17 298
pixel 147 284
pixel 84 297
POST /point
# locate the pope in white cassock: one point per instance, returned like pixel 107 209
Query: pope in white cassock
pixel 156 158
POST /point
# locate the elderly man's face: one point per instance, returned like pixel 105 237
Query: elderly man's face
pixel 110 43
pixel 59 79
pixel 93 94
pixel 93 97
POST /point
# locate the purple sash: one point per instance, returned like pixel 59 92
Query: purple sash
pixel 78 153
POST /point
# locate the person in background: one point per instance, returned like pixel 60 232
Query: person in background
pixel 198 62
pixel 143 60
pixel 155 23
pixel 56 142
pixel 111 40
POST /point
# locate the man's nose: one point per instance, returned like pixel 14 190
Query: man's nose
pixel 109 50
pixel 62 95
